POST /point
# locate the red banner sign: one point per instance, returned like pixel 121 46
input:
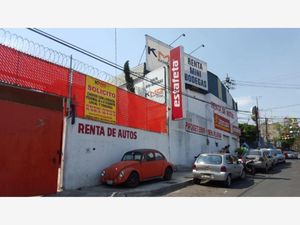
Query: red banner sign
pixel 176 82
pixel 222 123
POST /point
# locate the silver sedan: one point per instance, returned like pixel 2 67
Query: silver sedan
pixel 217 166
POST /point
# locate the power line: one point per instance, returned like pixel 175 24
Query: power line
pixel 267 83
pixel 281 107
pixel 103 60
pixel 265 86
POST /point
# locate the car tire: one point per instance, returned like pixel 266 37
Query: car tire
pixel 168 174
pixel 228 181
pixel 196 181
pixel 133 180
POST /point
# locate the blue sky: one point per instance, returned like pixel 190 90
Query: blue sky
pixel 269 56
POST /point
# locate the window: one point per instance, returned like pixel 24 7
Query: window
pixel 149 156
pixel 234 159
pixel 158 156
pixel 209 159
pixel 229 159
pixel 129 156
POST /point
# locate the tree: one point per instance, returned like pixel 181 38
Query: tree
pixel 128 78
pixel 248 135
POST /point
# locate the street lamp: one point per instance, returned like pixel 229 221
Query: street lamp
pixel 181 35
pixel 202 45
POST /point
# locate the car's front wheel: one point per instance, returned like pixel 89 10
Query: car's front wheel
pixel 133 180
pixel 168 174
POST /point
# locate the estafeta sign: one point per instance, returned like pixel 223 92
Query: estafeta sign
pixel 176 82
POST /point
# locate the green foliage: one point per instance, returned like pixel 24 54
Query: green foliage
pixel 287 143
pixel 248 134
pixel 128 78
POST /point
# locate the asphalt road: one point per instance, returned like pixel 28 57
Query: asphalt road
pixel 282 181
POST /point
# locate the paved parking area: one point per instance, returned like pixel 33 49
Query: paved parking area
pixel 281 181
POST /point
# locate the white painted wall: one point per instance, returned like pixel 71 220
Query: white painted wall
pixel 184 145
pixel 86 155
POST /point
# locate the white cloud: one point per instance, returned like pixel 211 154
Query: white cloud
pixel 245 101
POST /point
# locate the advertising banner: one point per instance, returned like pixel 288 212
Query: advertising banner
pixel 100 100
pixel 195 72
pixel 158 54
pixel 154 87
pixel 176 82
pixel 222 123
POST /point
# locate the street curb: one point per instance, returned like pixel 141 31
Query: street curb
pixel 153 193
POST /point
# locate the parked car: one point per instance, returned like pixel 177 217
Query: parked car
pixel 137 166
pixel 261 158
pixel 218 167
pixel 291 154
pixel 272 152
pixel 280 156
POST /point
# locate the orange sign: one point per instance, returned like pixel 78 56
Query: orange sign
pixel 222 123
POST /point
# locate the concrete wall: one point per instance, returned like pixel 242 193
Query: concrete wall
pixel 91 146
pixel 185 145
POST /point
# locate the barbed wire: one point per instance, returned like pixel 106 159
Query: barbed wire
pixel 42 52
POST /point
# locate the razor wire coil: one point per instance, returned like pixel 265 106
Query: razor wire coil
pixel 40 51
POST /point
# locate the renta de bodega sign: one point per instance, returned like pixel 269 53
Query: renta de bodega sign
pixel 176 71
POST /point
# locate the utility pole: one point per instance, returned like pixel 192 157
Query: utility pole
pixel 267 138
pixel 257 122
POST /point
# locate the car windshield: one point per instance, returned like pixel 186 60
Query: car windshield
pixel 254 152
pixel 132 156
pixel 209 159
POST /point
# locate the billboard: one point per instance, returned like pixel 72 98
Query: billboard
pixel 100 100
pixel 158 54
pixel 195 72
pixel 176 71
pixel 222 123
pixel 154 86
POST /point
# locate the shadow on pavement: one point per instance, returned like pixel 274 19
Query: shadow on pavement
pixel 276 169
pixel 122 187
pixel 236 184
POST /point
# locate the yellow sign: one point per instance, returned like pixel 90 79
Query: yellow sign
pixel 100 100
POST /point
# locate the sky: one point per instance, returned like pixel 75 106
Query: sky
pixel 254 58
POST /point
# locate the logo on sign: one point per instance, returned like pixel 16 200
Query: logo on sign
pixel 164 58
pixel 176 85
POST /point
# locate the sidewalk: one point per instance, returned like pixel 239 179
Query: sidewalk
pixel 156 187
